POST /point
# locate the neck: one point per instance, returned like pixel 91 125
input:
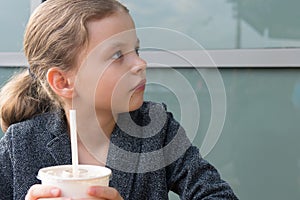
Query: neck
pixel 94 130
pixel 88 120
pixel 107 122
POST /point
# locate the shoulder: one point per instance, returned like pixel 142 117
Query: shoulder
pixel 150 111
pixel 151 106
pixel 34 127
pixel 155 120
pixel 151 121
pixel 30 139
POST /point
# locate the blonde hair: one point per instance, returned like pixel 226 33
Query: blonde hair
pixel 55 34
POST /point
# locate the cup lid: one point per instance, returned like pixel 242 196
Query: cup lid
pixel 64 172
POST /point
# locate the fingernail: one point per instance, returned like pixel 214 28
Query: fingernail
pixel 55 192
pixel 91 191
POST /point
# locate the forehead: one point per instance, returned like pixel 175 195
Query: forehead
pixel 115 29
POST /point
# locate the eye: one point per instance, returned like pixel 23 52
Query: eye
pixel 137 51
pixel 117 55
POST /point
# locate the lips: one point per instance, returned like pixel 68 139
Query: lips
pixel 141 86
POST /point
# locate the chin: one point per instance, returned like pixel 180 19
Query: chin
pixel 135 103
pixel 132 104
pixel 135 106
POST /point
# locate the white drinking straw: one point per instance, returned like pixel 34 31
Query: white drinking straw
pixel 74 147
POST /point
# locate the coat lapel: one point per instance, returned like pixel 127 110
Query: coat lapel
pixel 60 150
pixel 59 145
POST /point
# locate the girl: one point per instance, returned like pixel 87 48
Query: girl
pixel 83 54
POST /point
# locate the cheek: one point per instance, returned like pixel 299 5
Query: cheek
pixel 84 91
pixel 87 79
pixel 112 91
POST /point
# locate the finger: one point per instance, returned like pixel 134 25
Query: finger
pixel 104 192
pixel 58 198
pixel 41 191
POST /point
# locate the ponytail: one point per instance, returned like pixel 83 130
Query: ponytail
pixel 22 98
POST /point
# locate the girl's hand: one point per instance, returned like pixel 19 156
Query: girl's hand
pixel 39 191
pixel 104 193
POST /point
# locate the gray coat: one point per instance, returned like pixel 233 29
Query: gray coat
pixel 43 141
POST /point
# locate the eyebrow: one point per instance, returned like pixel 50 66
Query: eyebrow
pixel 120 43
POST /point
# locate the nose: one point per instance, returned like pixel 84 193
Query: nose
pixel 138 64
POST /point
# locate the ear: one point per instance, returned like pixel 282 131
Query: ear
pixel 61 82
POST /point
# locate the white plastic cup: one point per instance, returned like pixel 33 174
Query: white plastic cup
pixel 75 187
